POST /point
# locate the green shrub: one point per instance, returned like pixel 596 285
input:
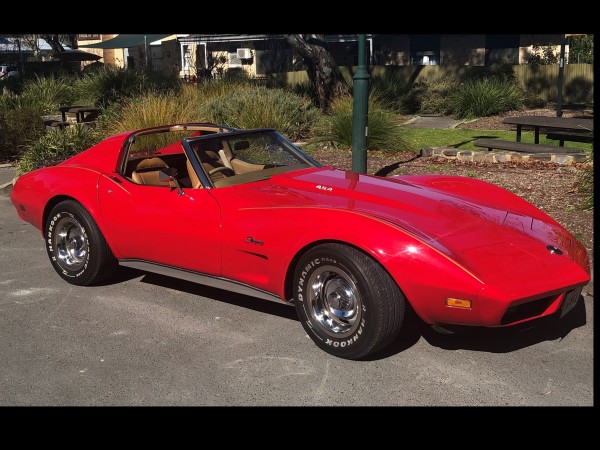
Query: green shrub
pixel 108 84
pixel 336 128
pixel 501 69
pixel 55 146
pixel 48 93
pixel 586 185
pixel 486 97
pixel 18 127
pixel 305 89
pixel 435 95
pixel 532 100
pixel 393 91
pixel 13 84
pixel 260 107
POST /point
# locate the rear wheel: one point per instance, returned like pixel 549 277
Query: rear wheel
pixel 75 245
pixel 347 303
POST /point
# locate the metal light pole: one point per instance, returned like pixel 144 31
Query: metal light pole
pixel 561 76
pixel 146 50
pixel 360 110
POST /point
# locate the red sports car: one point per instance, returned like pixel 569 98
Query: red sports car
pixel 248 211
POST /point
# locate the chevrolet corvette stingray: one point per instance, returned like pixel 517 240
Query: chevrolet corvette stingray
pixel 248 211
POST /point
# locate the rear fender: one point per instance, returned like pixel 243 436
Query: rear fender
pixel 39 191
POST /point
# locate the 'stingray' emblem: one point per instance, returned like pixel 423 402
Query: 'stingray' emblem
pixel 251 240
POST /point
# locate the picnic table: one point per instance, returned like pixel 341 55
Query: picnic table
pixel 570 126
pixel 79 112
pixel 562 129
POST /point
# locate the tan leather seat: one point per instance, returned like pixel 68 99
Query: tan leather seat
pixel 192 174
pixel 208 152
pixel 147 172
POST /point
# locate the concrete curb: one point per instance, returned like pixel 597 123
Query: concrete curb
pixel 501 157
pixel 462 121
pixel 409 121
pixel 10 183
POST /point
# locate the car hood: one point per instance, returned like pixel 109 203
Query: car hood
pixel 479 225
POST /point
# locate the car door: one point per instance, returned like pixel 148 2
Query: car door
pixel 155 223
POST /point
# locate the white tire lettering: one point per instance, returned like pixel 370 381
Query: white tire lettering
pixel 347 342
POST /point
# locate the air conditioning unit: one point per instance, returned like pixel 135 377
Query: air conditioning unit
pixel 244 53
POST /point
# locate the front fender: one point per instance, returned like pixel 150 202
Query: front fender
pixel 285 233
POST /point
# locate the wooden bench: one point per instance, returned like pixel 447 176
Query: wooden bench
pixel 563 136
pixel 55 123
pixel 523 147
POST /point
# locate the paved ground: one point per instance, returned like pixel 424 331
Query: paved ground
pixel 149 340
pixel 432 122
pixel 7 173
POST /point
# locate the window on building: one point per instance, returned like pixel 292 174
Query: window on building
pixel 502 47
pixel 186 58
pixel 425 49
pixel 233 62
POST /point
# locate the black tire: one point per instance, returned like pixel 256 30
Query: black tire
pixel 347 303
pixel 75 245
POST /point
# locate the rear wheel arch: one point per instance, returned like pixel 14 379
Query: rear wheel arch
pixel 51 204
pixel 60 198
pixel 75 244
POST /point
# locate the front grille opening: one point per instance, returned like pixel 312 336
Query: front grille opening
pixel 527 310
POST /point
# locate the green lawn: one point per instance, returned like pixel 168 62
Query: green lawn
pixel 419 138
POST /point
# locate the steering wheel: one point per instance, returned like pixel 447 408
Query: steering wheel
pixel 221 169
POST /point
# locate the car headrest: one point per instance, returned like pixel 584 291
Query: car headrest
pixel 151 163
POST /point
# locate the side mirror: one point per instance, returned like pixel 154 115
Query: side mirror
pixel 170 174
pixel 167 174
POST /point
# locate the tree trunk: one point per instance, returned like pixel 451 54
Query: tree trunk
pixel 53 42
pixel 322 68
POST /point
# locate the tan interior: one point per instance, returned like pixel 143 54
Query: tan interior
pixel 192 174
pixel 147 172
pixel 208 152
pixel 237 164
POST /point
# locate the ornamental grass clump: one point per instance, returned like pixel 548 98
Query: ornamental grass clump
pixel 261 107
pixel 335 128
pixel 486 97
pixel 56 146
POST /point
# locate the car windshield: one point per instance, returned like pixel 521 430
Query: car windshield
pixel 249 155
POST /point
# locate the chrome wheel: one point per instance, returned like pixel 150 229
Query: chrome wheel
pixel 334 301
pixel 70 244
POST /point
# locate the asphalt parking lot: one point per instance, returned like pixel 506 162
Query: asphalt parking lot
pixel 150 340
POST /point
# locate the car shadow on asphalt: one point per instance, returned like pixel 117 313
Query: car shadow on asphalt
pixel 121 275
pixel 245 301
pixel 492 340
pixel 482 339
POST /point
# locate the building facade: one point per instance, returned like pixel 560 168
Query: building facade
pixel 258 55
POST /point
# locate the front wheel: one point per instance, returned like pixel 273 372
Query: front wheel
pixel 347 303
pixel 75 245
